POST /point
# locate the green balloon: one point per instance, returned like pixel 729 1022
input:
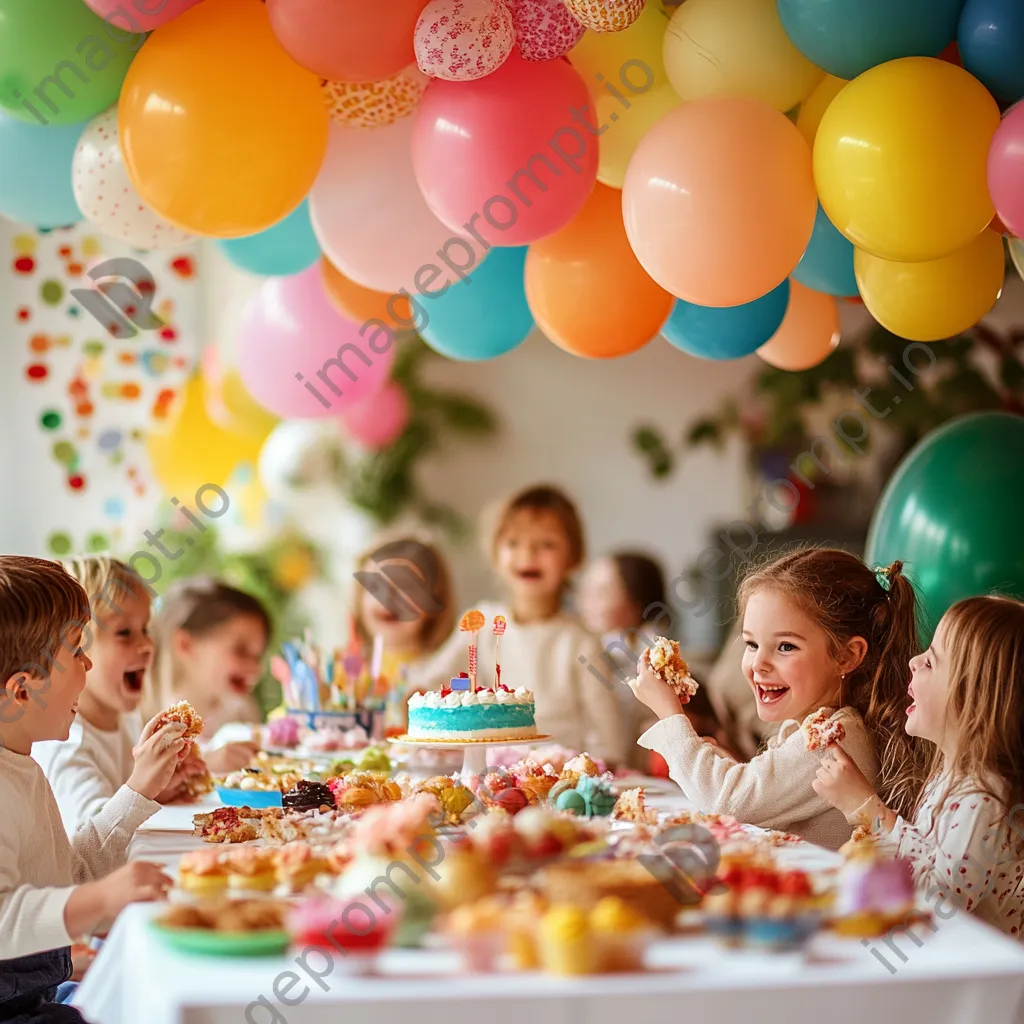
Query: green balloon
pixel 953 512
pixel 59 62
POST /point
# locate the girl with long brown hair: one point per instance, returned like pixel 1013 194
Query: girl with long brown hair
pixel 966 839
pixel 821 632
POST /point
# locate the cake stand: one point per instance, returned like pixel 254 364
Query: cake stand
pixel 474 760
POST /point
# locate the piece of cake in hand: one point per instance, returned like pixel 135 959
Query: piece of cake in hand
pixel 187 715
pixel 822 730
pixel 668 664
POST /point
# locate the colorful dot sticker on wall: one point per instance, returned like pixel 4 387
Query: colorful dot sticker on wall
pixel 24 314
pixel 65 453
pixel 59 543
pixel 51 419
pixel 97 542
pixel 109 440
pixel 37 372
pixel 76 482
pixel 51 292
pixel 93 348
pixel 113 508
pixel 24 265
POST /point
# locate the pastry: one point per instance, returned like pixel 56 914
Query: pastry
pixel 875 892
pixel 251 869
pixel 581 764
pixel 203 873
pixel 282 733
pixel 565 943
pixel 621 935
pixel 185 714
pixel 823 729
pixel 668 665
pixel 298 865
pixel 306 795
pixel 632 806
pixel 226 915
pixel 476 930
pixel 358 928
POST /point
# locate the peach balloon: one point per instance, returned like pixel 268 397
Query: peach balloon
pixel 360 304
pixel 808 333
pixel 719 200
pixel 347 40
pixel 587 291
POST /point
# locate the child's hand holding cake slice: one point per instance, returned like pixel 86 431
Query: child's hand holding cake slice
pixel 663 679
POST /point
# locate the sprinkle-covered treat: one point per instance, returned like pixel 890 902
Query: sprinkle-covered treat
pixel 821 731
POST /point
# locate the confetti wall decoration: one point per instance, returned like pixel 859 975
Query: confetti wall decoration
pixel 82 399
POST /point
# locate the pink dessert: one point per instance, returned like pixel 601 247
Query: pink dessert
pixel 282 733
pixel 333 739
pixel 876 891
pixel 359 928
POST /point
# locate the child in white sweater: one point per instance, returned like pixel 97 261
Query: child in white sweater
pixel 96 759
pixel 536 544
pixel 820 630
pixel 54 891
pixel 966 839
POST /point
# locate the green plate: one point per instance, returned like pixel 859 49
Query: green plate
pixel 209 943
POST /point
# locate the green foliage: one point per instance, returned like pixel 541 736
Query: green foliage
pixel 774 416
pixel 383 484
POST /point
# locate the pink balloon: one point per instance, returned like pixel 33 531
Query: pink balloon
pixel 502 156
pixel 371 219
pixel 460 40
pixel 379 420
pixel 135 16
pixel 545 30
pixel 1006 170
pixel 289 331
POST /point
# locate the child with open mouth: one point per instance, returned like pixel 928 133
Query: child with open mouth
pixel 826 647
pixel 87 769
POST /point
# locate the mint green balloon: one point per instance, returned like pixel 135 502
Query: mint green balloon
pixel 953 512
pixel 59 62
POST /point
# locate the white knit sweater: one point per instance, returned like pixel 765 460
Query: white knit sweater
pixel 40 866
pixel 772 790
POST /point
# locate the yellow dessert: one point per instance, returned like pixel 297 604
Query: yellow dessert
pixel 252 870
pixel 297 865
pixel 566 944
pixel 203 873
pixel 621 934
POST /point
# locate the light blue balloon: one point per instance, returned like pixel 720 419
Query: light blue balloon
pixel 991 44
pixel 827 264
pixel 846 37
pixel 35 172
pixel 484 316
pixel 726 332
pixel 289 247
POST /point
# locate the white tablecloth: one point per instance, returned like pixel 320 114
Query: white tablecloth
pixel 964 973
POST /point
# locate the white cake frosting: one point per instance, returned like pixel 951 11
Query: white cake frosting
pixel 466 699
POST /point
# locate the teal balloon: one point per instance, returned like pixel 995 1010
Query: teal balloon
pixel 289 247
pixel 484 316
pixel 846 37
pixel 991 44
pixel 953 513
pixel 726 332
pixel 35 173
pixel 827 265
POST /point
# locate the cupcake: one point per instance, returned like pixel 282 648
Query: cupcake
pixel 476 931
pixel 565 943
pixel 522 916
pixel 622 935
pixel 308 796
pixel 203 873
pixel 582 764
pixel 251 869
pixel 282 733
pixel 298 865
pixel 350 930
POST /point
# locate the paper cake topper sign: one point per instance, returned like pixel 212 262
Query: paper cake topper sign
pixel 459 683
pixel 499 625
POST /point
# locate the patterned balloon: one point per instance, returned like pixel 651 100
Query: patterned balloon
pixel 461 40
pixel 606 15
pixel 374 104
pixel 545 30
pixel 108 198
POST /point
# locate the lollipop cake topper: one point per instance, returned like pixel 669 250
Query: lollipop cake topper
pixel 472 622
pixel 499 631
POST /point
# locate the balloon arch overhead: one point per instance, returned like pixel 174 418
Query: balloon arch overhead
pixel 607 169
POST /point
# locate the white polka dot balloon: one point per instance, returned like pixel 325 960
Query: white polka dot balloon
pixel 462 40
pixel 106 196
pixel 545 30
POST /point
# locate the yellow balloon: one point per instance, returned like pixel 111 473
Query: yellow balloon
pixel 618 143
pixel 244 415
pixel 195 451
pixel 608 53
pixel 936 299
pixel 899 159
pixel 736 48
pixel 813 108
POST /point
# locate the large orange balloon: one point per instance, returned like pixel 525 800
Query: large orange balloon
pixel 719 200
pixel 360 304
pixel 586 289
pixel 348 40
pixel 222 132
pixel 808 332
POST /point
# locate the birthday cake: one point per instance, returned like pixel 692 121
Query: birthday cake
pixel 450 714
